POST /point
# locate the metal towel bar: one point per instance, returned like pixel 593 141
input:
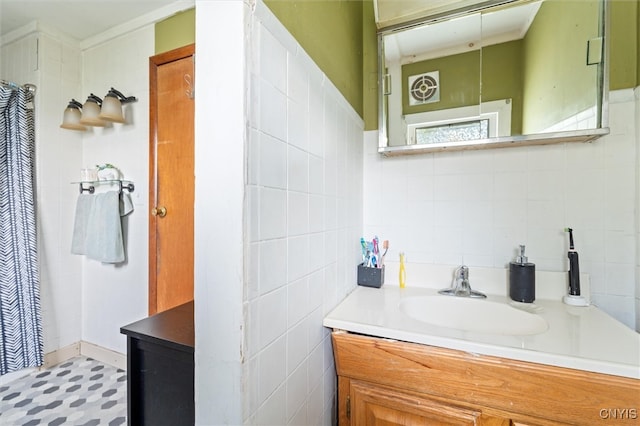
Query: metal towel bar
pixel 90 186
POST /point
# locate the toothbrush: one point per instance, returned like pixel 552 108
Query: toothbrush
pixel 363 243
pixel 385 246
pixel 574 298
pixel 574 268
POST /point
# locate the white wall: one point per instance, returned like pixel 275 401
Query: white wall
pixel 52 63
pixel 476 207
pixel 116 295
pixel 305 214
pixel 84 299
pixel 300 224
pixel 219 210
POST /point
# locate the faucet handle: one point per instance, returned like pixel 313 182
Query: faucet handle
pixel 463 272
pixel 460 286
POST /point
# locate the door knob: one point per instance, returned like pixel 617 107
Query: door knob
pixel 160 211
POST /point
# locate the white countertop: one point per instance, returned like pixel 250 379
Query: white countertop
pixel 583 338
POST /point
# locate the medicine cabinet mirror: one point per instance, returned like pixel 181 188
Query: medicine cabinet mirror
pixel 490 74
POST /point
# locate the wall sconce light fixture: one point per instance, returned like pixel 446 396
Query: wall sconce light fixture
pixel 91 111
pixel 112 106
pixel 72 115
pixel 96 112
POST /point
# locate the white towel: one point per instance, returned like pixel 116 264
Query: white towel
pixel 84 205
pixel 126 205
pixel 98 227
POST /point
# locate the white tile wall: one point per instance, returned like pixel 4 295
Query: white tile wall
pixel 53 66
pixel 583 120
pixel 476 207
pixel 304 191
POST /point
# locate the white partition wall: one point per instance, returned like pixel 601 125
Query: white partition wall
pixel 269 268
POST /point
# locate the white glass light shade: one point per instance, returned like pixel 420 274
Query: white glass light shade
pixel 71 119
pixel 111 110
pixel 90 113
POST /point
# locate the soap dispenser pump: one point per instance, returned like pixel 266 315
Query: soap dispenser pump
pixel 522 279
pixel 574 297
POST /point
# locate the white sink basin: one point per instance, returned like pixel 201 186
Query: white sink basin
pixel 477 315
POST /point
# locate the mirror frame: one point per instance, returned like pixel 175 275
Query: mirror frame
pixel 587 135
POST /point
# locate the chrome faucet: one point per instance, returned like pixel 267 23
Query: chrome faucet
pixel 460 286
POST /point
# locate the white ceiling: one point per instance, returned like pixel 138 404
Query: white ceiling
pixel 465 33
pixel 393 12
pixel 79 19
pixel 84 19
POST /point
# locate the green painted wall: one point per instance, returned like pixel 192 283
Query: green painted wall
pixel 176 31
pixel 341 39
pixel 625 42
pixel 339 35
pixel 502 76
pixel 555 68
pixel 460 80
pixel 331 32
pixel 370 67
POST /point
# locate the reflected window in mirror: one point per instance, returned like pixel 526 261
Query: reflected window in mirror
pixel 457 123
pixel 453 132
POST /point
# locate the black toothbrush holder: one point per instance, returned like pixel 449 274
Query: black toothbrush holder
pixel 370 277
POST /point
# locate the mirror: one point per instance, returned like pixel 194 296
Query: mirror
pixel 524 73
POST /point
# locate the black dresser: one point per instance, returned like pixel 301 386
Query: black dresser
pixel 160 368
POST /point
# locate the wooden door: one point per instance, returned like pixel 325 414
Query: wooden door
pixel 171 178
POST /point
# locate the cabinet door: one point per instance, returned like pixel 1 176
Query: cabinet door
pixel 373 405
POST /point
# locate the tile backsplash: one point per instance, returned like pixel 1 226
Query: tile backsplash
pixel 477 207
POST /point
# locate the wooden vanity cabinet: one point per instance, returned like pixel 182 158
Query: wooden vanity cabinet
pixel 378 405
pixel 385 382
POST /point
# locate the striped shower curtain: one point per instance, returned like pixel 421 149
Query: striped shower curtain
pixel 20 318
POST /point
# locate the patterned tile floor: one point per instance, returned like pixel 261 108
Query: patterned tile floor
pixel 79 392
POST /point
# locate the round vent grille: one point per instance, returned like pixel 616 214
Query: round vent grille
pixel 423 88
